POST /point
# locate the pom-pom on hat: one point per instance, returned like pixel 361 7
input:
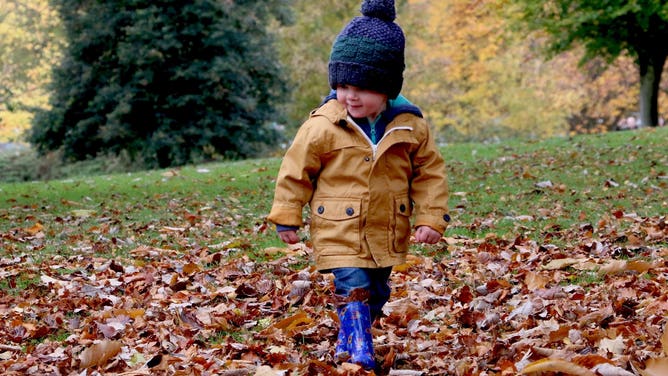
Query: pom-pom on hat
pixel 369 51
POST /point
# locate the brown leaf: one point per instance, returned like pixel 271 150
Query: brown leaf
pixel 562 263
pixel 107 331
pixel 465 295
pixel 535 281
pixel 99 353
pixel 401 312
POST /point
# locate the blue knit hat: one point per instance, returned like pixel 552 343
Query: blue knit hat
pixel 369 51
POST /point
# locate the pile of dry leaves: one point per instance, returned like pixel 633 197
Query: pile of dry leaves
pixel 594 304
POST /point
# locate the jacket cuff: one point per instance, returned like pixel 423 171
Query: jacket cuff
pixel 285 215
pixel 281 228
pixel 438 223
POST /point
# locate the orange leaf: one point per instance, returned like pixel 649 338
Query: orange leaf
pixel 654 367
pixel 99 353
pixel 411 260
pixel 591 360
pixel 134 313
pixel 640 266
pixel 535 281
pixel 614 266
pixel 191 268
pixel 36 229
pixel 291 323
pixel 664 340
pixel 557 365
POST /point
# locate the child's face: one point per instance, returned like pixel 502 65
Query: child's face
pixel 361 103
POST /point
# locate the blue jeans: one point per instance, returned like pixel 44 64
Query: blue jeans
pixel 376 281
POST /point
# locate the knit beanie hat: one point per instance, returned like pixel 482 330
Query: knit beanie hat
pixel 369 51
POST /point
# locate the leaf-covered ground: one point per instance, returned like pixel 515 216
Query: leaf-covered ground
pixel 182 283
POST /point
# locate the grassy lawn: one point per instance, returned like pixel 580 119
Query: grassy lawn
pixel 509 189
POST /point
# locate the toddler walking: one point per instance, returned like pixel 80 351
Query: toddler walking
pixel 367 165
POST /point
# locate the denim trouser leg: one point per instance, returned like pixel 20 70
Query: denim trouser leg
pixel 373 280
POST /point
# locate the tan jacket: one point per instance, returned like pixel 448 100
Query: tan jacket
pixel 361 195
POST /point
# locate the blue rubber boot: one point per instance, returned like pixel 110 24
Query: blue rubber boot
pixel 341 354
pixel 356 328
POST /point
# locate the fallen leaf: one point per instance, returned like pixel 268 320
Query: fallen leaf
pixel 654 367
pixel 99 353
pixel 266 371
pixel 191 268
pixel 411 260
pixel 614 266
pixel 544 184
pixel 535 281
pixel 607 369
pixel 557 365
pixel 614 346
pixel 562 263
pixel 293 322
pixel 35 229
pixel 664 340
pixel 639 266
pixel 82 213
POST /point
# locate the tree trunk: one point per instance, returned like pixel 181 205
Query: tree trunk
pixel 651 67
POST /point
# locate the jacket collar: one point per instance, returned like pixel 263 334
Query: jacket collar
pixel 397 106
pixel 332 111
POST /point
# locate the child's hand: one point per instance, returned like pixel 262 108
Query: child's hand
pixel 426 234
pixel 289 236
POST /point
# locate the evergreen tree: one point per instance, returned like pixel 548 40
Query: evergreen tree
pixel 168 82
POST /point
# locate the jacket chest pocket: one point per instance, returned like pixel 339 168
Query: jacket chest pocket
pixel 335 225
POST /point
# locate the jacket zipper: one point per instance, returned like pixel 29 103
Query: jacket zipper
pixel 374 147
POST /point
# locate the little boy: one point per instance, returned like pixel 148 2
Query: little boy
pixel 365 162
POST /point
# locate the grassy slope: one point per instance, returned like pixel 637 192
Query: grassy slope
pixel 510 189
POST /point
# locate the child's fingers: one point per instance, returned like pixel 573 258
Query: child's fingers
pixel 425 234
pixel 289 237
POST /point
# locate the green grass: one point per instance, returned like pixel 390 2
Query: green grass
pixel 15 284
pixel 112 214
pixel 590 177
pixel 585 278
pixel 499 189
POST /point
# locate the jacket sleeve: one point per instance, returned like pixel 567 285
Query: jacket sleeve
pixel 429 186
pixel 294 184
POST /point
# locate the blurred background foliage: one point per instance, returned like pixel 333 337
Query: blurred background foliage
pixel 476 74
pixel 31 42
pixel 161 84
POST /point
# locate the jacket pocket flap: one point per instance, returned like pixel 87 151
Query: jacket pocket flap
pixel 336 209
pixel 403 206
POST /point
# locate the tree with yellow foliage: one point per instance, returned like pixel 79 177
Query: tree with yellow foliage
pixel 29 47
